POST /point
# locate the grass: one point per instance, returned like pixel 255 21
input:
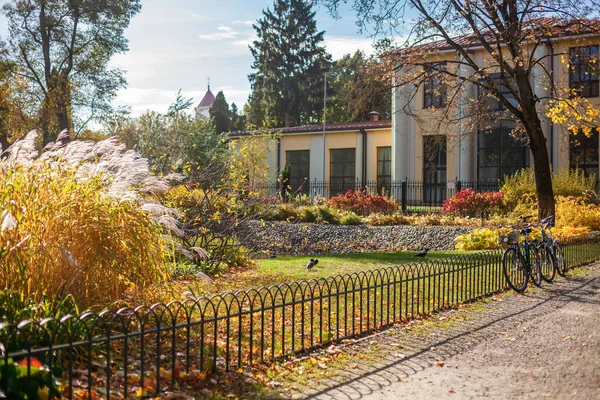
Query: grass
pixel 285 269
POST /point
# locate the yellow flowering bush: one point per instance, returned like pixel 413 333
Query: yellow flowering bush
pixel 575 212
pixel 478 239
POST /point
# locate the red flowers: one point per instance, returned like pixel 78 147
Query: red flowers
pixel 468 202
pixel 33 363
pixel 363 203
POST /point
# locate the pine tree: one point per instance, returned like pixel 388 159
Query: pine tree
pixel 220 113
pixel 289 63
pixel 238 121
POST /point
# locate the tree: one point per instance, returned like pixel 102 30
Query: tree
pixel 238 121
pixel 63 48
pixel 221 114
pixel 5 105
pixel 15 95
pixel 176 141
pixel 289 64
pixel 362 86
pixel 510 32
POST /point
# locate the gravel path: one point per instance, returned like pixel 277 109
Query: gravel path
pixel 545 344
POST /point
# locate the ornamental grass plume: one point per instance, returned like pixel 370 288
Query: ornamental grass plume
pixel 61 235
pixel 76 219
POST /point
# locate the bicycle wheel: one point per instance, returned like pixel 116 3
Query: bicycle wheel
pixel 547 264
pixel 515 269
pixel 535 270
pixel 561 263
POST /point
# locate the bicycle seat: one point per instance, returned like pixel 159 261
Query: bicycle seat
pixel 526 230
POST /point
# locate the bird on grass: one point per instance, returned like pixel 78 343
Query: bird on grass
pixel 274 255
pixel 311 263
pixel 422 253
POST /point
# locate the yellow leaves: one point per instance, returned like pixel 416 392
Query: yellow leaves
pixel 576 113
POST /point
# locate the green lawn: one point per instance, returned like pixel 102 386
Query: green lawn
pixel 282 269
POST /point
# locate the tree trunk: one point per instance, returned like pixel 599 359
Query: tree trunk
pixel 55 115
pixel 537 143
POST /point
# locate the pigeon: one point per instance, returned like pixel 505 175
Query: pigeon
pixel 422 253
pixel 311 263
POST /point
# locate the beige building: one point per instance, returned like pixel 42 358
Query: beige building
pixel 346 155
pixel 427 148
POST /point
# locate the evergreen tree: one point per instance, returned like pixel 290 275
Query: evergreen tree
pixel 238 121
pixel 220 113
pixel 289 64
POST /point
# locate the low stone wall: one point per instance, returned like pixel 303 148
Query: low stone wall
pixel 299 238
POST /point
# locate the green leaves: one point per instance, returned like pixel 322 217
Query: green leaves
pixel 28 379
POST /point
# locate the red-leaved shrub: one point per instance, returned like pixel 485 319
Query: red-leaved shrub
pixel 469 202
pixel 363 203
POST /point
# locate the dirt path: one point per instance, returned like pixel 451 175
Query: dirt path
pixel 545 344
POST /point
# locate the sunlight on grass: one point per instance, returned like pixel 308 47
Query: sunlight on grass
pixel 274 271
pixel 287 269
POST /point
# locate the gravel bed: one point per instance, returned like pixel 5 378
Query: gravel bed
pixel 310 238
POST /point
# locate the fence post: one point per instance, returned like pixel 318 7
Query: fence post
pixel 403 196
pixel 458 186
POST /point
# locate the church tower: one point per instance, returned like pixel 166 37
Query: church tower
pixel 203 108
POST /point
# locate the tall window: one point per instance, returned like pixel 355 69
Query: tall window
pixel 498 153
pixel 583 153
pixel 384 168
pixel 505 85
pixel 434 168
pixel 583 76
pixel 342 174
pixel 299 162
pixel 435 89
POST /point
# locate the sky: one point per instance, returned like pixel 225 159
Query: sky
pixel 180 44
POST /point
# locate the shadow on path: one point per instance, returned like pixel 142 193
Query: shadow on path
pixel 402 353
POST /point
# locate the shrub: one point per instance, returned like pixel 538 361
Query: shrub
pixel 325 215
pixel 351 219
pixel 63 235
pixel 569 231
pixel 520 187
pixel 576 212
pixel 478 239
pixel 470 203
pixel 387 219
pixel 361 202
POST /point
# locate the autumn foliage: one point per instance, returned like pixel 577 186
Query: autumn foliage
pixel 468 202
pixel 63 234
pixel 363 203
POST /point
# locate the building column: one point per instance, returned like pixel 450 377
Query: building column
pixel 467 141
pixel 401 130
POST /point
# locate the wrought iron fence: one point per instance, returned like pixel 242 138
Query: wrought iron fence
pixel 415 197
pixel 122 353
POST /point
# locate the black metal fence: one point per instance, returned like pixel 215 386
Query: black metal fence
pixel 146 350
pixel 413 196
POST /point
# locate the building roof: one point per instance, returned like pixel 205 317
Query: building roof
pixel 341 126
pixel 208 99
pixel 546 27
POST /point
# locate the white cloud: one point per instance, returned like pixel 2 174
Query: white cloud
pixel 224 32
pixel 243 22
pixel 338 46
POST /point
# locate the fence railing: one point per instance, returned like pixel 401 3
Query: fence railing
pixel 413 196
pixel 122 353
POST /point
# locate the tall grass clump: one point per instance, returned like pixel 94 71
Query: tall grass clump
pixel 520 187
pixel 61 235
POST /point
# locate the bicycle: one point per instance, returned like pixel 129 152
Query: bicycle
pixel 547 260
pixel 555 247
pixel 517 264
